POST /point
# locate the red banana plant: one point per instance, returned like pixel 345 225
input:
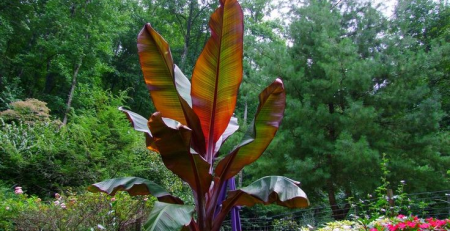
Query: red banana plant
pixel 191 124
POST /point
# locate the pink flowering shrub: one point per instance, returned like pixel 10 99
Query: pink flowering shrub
pixel 19 211
pixel 408 223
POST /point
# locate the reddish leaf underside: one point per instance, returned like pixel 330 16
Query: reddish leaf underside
pixel 174 146
pixel 218 73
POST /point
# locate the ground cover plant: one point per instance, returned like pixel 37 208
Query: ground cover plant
pixel 191 124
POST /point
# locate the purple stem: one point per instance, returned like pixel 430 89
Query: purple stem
pixel 223 193
pixel 235 218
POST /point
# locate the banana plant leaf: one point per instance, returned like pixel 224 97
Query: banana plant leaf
pixel 268 190
pixel 168 86
pixel 183 85
pixel 158 69
pixel 169 217
pixel 272 102
pixel 174 146
pixel 218 73
pixel 233 126
pixel 134 186
pixel 140 124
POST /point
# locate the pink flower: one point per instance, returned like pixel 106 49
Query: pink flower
pixel 410 224
pixel 440 223
pixel 63 205
pixel 373 229
pixel 145 198
pixel 401 225
pixel 400 216
pixel 113 199
pixel 424 226
pixel 57 196
pixel 18 190
pixel 56 202
pixel 392 227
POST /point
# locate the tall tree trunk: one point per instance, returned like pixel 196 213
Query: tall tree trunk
pixel 72 91
pixel 338 213
pixel 187 36
pixel 332 199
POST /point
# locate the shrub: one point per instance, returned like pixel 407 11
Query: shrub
pixel 44 158
pixel 342 225
pixel 285 224
pixel 28 111
pixel 72 212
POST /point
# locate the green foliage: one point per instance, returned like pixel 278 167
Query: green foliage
pixel 10 92
pixel 356 88
pixel 72 212
pixel 385 78
pixel 44 158
pixel 341 225
pixel 28 111
pixel 386 202
pixel 285 225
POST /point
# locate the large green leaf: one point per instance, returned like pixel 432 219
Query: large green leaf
pixel 272 102
pixel 134 186
pixel 218 73
pixel 169 217
pixel 174 144
pixel 158 69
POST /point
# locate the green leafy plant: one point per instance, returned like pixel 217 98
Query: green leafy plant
pixel 379 205
pixel 341 225
pixel 191 124
pixel 71 211
pixel 286 224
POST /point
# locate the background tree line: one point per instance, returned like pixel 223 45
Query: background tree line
pixel 359 84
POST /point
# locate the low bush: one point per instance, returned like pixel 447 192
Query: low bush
pixel 97 143
pixel 70 211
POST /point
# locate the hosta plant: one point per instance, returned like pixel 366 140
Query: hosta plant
pixel 192 122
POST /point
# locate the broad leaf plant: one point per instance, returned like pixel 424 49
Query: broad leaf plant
pixel 194 119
